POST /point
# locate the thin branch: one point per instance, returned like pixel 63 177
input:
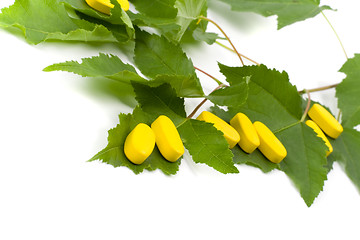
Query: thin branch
pixel 203 101
pixel 337 36
pixel 207 74
pixel 230 49
pixel 226 36
pixel 339 116
pixel 318 89
pixel 307 106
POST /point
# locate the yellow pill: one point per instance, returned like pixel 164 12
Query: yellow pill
pixel 167 138
pixel 105 6
pixel 325 120
pixel 249 139
pixel 270 145
pixel 320 134
pixel 139 144
pixel 230 134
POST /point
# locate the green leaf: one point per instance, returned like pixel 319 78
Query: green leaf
pixel 306 160
pixel 348 93
pixel 255 159
pixel 160 14
pixel 185 86
pixel 121 33
pixel 167 26
pixel 118 23
pixel 275 102
pixel 233 96
pixel 114 155
pixel 203 141
pixel 288 11
pixel 156 8
pixel 207 145
pixel 347 153
pixel 160 100
pixel 99 34
pixel 272 99
pixel 109 66
pixel 208 37
pixel 188 12
pixel 155 55
pixel 41 20
pixel 117 16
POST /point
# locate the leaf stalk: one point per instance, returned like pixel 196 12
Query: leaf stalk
pixel 207 74
pixel 204 101
pixel 307 107
pixel 232 50
pixel 225 35
pixel 318 89
pixel 337 36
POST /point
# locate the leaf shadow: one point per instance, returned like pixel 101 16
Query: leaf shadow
pixel 246 21
pixel 105 88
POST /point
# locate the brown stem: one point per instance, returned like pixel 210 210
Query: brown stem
pixel 207 74
pixel 230 49
pixel 318 89
pixel 226 36
pixel 203 101
pixel 307 106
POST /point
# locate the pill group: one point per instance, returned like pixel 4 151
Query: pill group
pixel 248 135
pixel 323 122
pixel 141 141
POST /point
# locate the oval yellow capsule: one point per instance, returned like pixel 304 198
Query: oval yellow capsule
pixel 270 145
pixel 320 134
pixel 105 6
pixel 139 144
pixel 249 139
pixel 325 121
pixel 230 134
pixel 167 138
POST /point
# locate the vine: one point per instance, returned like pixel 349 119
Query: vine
pixel 168 76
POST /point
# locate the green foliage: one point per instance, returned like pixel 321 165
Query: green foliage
pixel 204 142
pixel 118 23
pixel 166 26
pixel 112 67
pixel 347 153
pixel 160 100
pixel 188 12
pixel 185 86
pixel 255 159
pixel 263 94
pixel 104 65
pixel 156 8
pixel 270 94
pixel 202 35
pixel 305 163
pixel 348 92
pixel 346 147
pixel 114 155
pixel 233 96
pixel 42 20
pixel 117 16
pixel 155 55
pixel 207 145
pixel 275 102
pixel 288 11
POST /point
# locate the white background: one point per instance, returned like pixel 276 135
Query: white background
pixel 51 123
